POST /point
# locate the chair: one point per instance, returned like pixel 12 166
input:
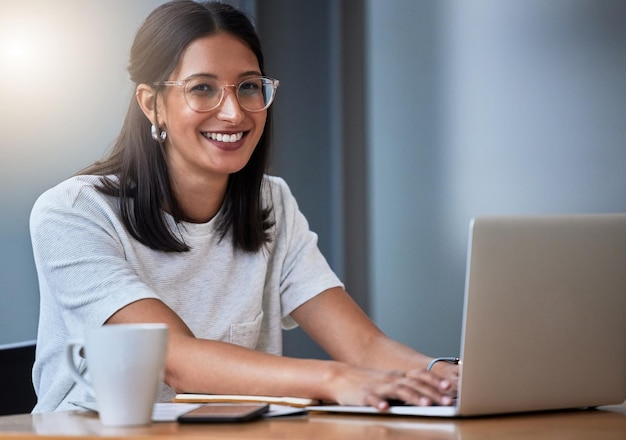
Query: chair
pixel 16 385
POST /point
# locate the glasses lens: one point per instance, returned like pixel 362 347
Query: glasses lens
pixel 255 94
pixel 203 93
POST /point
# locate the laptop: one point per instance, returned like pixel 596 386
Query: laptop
pixel 544 324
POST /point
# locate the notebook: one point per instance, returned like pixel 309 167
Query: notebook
pixel 296 402
pixel 544 324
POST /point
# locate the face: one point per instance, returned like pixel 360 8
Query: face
pixel 210 145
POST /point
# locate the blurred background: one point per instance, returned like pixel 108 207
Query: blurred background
pixel 397 121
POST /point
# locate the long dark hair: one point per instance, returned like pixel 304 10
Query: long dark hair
pixel 135 170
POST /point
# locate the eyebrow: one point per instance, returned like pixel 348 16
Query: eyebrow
pixel 212 75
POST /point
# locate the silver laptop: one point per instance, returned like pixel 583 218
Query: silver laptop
pixel 544 324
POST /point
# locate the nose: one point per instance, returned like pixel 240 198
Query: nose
pixel 230 110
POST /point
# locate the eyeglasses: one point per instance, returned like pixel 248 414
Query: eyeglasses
pixel 205 93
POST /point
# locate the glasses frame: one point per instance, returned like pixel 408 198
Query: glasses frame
pixel 183 83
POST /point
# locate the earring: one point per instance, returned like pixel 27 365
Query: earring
pixel 159 137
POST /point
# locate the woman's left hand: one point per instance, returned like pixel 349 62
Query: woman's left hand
pixel 448 371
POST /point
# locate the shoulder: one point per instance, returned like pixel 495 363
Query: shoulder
pixel 68 191
pixel 276 191
pixel 76 192
pixel 278 197
pixel 286 214
pixel 275 182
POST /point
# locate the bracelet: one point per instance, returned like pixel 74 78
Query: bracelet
pixel 451 360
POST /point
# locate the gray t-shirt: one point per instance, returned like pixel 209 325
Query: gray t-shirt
pixel 89 267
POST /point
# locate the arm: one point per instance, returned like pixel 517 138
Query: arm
pixel 203 366
pixel 362 344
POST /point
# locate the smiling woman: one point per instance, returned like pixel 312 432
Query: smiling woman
pixel 179 223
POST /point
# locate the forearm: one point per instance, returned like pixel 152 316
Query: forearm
pixel 206 366
pixel 361 343
pixel 202 366
pixel 384 353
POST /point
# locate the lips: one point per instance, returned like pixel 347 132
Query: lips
pixel 224 137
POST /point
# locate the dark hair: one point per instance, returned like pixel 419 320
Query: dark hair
pixel 135 170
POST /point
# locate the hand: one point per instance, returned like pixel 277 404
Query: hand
pixel 358 386
pixel 446 370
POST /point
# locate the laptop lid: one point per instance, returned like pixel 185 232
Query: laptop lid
pixel 545 314
pixel 544 323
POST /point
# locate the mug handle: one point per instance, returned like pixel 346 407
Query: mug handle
pixel 69 356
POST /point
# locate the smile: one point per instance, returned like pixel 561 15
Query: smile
pixel 224 137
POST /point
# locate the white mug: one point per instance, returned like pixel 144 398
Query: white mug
pixel 125 363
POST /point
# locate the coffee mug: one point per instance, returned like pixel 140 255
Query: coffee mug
pixel 125 363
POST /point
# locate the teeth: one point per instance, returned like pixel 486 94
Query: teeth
pixel 225 137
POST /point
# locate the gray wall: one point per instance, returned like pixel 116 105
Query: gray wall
pixel 468 107
pixel 305 149
pixel 476 107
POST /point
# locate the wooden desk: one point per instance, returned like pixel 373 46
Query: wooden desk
pixel 605 424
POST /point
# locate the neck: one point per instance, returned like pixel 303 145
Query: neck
pixel 200 200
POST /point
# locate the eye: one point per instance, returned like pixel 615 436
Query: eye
pixel 250 87
pixel 203 87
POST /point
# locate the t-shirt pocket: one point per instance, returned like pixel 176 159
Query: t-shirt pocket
pixel 246 334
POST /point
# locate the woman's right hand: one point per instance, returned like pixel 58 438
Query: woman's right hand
pixel 361 386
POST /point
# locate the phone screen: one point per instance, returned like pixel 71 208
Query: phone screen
pixel 224 412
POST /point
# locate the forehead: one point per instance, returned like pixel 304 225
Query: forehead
pixel 222 55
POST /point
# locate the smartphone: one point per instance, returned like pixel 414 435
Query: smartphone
pixel 224 412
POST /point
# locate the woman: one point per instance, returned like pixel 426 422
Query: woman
pixel 179 224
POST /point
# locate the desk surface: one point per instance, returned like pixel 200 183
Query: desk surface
pixel 605 424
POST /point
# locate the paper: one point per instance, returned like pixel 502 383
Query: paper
pixel 228 398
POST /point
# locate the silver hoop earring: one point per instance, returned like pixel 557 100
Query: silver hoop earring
pixel 159 137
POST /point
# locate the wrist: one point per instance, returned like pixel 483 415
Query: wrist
pixel 442 364
pixel 332 374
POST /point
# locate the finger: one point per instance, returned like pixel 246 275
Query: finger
pixel 435 382
pixel 412 396
pixel 377 401
pixel 403 389
pixel 424 391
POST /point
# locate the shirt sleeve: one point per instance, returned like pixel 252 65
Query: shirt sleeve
pixel 80 256
pixel 305 272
